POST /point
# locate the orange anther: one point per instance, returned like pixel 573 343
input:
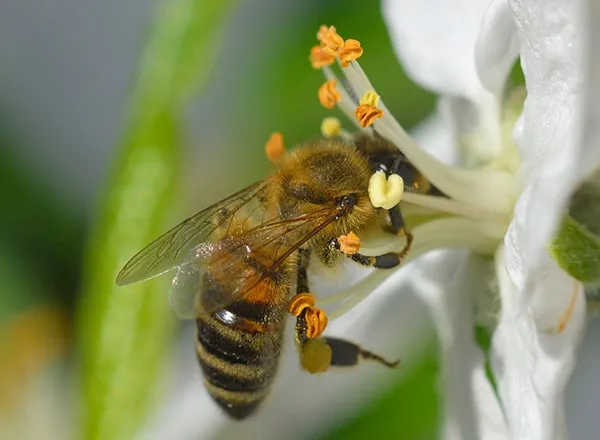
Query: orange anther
pixel 366 114
pixel 322 32
pixel 275 148
pixel 300 302
pixel 349 244
pixel 328 94
pixel 351 51
pixel 316 321
pixel 331 42
pixel 319 58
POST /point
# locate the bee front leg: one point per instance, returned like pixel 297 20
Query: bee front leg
pixel 351 243
pixel 317 355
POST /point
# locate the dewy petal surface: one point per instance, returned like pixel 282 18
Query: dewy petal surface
pixel 554 46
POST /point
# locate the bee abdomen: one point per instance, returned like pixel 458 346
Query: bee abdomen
pixel 237 369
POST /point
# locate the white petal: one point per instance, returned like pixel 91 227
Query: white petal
pixel 471 410
pixel 435 41
pixel 533 355
pixel 555 51
pixel 497 46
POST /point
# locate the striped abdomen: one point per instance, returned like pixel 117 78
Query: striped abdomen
pixel 239 353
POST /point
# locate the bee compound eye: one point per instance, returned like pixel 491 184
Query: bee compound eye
pixel 348 202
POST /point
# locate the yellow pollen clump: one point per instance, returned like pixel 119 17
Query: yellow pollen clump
pixel 349 244
pixel 367 114
pixel 315 356
pixel 328 94
pixel 331 42
pixel 351 51
pixel 319 58
pixel 275 148
pixel 331 127
pixel 385 193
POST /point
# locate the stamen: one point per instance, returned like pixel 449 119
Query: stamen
pixel 456 183
pixel 331 42
pixel 331 127
pixel 349 244
pixel 319 58
pixel 329 96
pixel 275 148
pixel 367 112
pixel 385 193
pixel 351 51
pixel 453 232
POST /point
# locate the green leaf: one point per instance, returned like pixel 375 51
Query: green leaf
pixel 124 331
pixel 407 410
pixel 577 251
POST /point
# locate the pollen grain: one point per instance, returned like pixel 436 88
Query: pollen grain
pixel 330 40
pixel 300 302
pixel 320 58
pixel 366 114
pixel 349 244
pixel 331 127
pixel 351 51
pixel 329 96
pixel 275 148
pixel 370 98
pixel 316 321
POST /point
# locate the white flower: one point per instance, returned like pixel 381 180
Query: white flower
pixel 506 205
pixel 465 56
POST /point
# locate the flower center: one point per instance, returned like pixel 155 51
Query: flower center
pixel 477 205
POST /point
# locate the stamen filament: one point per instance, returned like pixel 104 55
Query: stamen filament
pixel 449 206
pixel 346 103
pixel 455 232
pixel 473 187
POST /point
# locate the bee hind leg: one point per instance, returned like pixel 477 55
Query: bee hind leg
pixel 303 303
pixel 317 355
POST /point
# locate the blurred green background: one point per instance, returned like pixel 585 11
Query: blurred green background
pixel 117 120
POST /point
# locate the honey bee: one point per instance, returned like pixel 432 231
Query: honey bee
pixel 242 263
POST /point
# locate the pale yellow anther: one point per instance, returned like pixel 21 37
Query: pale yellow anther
pixel 385 193
pixel 331 127
pixel 370 98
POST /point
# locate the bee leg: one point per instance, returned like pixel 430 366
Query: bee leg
pixel 383 261
pixel 303 303
pixel 317 355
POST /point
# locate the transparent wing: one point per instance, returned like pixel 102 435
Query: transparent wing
pixel 186 285
pixel 172 249
pixel 245 264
